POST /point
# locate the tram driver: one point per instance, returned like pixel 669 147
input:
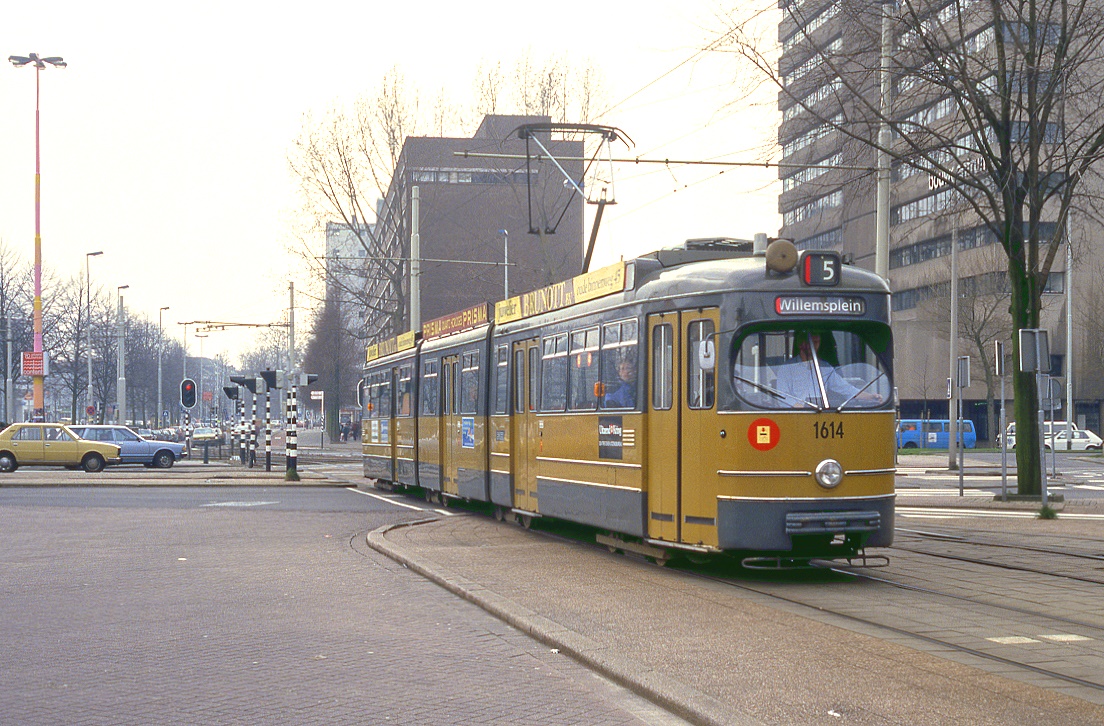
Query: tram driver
pixel 797 377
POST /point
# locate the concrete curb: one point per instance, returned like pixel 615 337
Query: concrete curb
pixel 679 699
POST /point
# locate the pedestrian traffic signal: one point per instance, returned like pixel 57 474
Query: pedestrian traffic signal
pixel 188 393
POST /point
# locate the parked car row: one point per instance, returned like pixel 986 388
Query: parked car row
pixel 89 447
pixel 935 434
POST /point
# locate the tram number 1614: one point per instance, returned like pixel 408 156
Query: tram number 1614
pixel 828 430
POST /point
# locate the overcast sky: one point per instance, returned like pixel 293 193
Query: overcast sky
pixel 165 141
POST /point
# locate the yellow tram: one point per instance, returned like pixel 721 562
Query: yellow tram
pixel 708 398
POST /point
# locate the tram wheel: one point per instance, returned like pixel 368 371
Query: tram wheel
pixel 499 514
pixel 526 521
pixel 430 496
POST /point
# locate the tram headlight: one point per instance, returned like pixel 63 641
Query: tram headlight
pixel 829 473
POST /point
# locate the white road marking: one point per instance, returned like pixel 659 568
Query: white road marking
pixel 389 500
pixel 1013 640
pixel 927 492
pixel 1065 638
pixel 237 504
pixel 945 512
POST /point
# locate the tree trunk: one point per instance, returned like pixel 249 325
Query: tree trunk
pixel 1024 387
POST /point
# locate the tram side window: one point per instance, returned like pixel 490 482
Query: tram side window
pixel 554 373
pixel 584 370
pixel 469 383
pixel 502 379
pixel 385 398
pixel 429 388
pixel 405 391
pixel 619 364
pixel 662 367
pixel 371 389
pixel 700 382
pixel 519 381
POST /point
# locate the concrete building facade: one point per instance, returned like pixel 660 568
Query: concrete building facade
pixel 477 214
pixel 828 201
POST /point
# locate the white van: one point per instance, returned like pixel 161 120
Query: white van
pixel 1049 429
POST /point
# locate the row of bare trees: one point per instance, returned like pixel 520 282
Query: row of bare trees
pixel 65 328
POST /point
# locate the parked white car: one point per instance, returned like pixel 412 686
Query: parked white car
pixel 1080 441
pixel 1048 428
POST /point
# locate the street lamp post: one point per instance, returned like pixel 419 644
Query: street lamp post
pixel 88 284
pixel 39 393
pixel 201 336
pixel 160 354
pixel 506 264
pixel 120 336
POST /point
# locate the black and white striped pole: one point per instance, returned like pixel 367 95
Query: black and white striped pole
pixel 292 473
pixel 291 469
pixel 268 429
pixel 257 383
pixel 232 393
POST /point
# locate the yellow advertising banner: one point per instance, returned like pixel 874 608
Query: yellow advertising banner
pixel 473 317
pixel 581 288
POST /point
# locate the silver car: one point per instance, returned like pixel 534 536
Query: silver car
pixel 133 448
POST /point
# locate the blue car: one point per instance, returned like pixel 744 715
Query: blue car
pixel 133 448
pixel 933 434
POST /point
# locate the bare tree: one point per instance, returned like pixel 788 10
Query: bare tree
pixel 1002 102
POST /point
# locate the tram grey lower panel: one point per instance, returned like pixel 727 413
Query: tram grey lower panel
pixel 472 483
pixel 429 475
pixel 404 472
pixel 501 489
pixel 761 524
pixel 377 467
pixel 619 510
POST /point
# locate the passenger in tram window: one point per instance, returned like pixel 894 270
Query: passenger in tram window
pixel 625 395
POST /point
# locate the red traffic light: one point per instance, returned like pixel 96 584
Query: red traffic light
pixel 188 393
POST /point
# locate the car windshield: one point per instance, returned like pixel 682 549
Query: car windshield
pixel 812 367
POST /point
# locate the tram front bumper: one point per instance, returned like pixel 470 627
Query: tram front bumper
pixel 771 524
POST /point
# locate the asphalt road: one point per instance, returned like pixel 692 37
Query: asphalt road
pixel 259 604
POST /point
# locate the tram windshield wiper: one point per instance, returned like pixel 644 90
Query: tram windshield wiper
pixel 880 376
pixel 776 393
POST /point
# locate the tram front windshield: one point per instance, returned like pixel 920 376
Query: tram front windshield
pixel 812 368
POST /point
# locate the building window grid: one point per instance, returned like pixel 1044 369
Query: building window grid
pixel 807 175
pixel 449 175
pixel 817 206
pixel 813 62
pixel 811 136
pixel 808 28
pixel 810 101
pixel 824 240
pixel 936 247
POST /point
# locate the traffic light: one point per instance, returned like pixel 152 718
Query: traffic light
pixel 188 393
pixel 269 377
pixel 231 392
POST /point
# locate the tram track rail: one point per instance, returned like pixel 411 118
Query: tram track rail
pixel 1001 613
pixel 764 589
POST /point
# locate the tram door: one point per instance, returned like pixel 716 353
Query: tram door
pixel 682 407
pixel 525 438
pixel 450 424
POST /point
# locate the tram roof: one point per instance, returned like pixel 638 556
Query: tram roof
pixel 697 267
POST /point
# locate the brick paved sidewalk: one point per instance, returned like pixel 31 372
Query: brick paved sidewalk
pixel 708 651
